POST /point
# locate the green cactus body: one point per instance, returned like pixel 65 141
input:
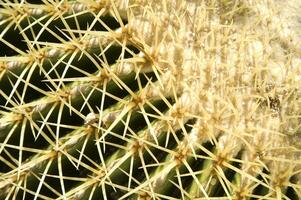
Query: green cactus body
pixel 162 99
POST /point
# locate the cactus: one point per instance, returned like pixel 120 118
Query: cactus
pixel 161 99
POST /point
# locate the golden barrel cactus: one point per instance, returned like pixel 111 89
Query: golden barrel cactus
pixel 158 99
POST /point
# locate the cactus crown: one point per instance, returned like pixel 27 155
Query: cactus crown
pixel 136 99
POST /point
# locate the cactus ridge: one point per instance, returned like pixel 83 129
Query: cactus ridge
pixel 136 99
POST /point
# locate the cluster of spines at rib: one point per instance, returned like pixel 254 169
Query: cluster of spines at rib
pixel 90 109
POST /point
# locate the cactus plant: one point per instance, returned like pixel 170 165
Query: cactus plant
pixel 161 99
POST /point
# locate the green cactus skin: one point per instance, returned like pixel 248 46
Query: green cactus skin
pixel 161 99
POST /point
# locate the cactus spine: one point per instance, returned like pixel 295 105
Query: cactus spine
pixel 135 99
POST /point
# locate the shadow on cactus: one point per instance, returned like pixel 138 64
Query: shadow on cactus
pixel 134 99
